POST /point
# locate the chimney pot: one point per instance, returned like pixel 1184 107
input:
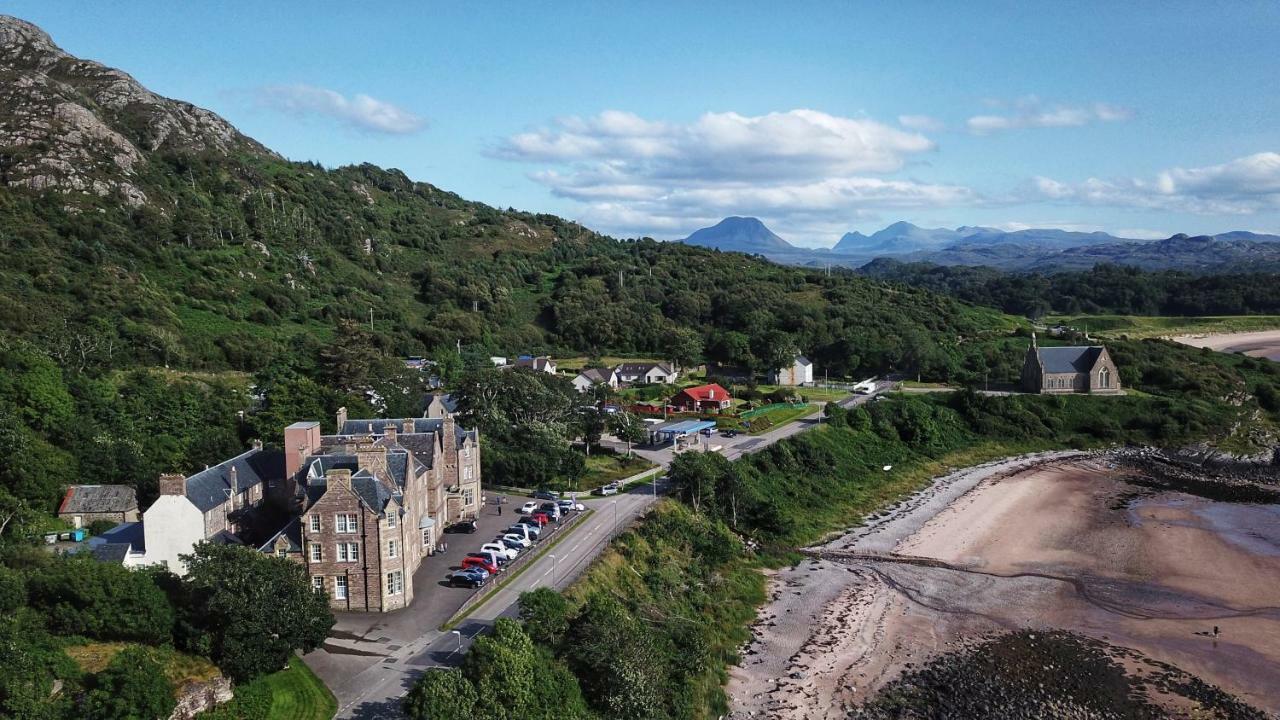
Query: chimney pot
pixel 342 418
pixel 173 484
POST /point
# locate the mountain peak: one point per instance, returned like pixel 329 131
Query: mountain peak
pixel 78 126
pixel 739 234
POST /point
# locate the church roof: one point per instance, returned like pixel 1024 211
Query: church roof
pixel 1076 359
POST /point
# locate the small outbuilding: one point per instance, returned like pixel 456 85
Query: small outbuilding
pixel 83 504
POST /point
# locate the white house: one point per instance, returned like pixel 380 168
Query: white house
pixel 646 374
pixel 799 372
pixel 595 376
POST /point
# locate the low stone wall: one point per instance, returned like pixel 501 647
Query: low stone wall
pixel 195 698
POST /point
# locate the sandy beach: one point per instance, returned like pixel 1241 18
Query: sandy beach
pixel 1056 540
pixel 1256 344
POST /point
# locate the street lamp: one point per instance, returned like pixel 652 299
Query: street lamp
pixel 458 634
pixel 554 564
pixel 615 518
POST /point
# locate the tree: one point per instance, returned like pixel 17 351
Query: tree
pixel 441 694
pixel 545 615
pixel 502 666
pixel 248 611
pixel 32 661
pixel 81 596
pixel 627 427
pixel 616 662
pixel 694 477
pixel 683 345
pixel 132 686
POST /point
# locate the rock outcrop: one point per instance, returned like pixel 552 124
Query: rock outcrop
pixel 80 127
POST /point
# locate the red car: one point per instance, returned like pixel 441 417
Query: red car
pixel 470 561
pixel 541 517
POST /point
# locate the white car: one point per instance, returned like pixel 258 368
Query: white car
pixel 524 531
pixel 501 550
pixel 522 540
pixel 527 508
pixel 610 489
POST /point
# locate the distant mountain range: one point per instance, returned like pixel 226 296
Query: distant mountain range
pixel 1035 249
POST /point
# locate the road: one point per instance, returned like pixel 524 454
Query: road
pixel 372 660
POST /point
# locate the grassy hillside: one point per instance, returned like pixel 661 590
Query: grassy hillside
pixel 1145 326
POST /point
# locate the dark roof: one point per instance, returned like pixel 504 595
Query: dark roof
pixel 1078 359
pixel 111 552
pixel 99 498
pixel 802 360
pixel 208 489
pixel 597 375
pixel 377 427
pixel 643 368
pixel 291 532
pixel 447 400
pixel 372 491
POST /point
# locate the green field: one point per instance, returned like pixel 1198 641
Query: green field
pixel 779 417
pixel 577 363
pixel 603 469
pixel 297 694
pixel 1140 326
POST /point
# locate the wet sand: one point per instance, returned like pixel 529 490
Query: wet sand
pixel 1265 343
pixel 1054 541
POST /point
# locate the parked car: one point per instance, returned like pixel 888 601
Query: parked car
pixel 490 556
pixel 527 508
pixel 551 509
pixel 610 489
pixel 501 549
pixel 462 526
pixel 473 577
pixel 730 433
pixel 541 517
pixel 518 541
pixel 531 520
pixel 568 506
pixel 525 530
pixel 708 432
pixel 546 495
pixel 472 561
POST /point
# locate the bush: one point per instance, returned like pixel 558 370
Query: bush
pixel 80 596
pixel 132 686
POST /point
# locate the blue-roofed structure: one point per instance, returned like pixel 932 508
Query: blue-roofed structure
pixel 670 432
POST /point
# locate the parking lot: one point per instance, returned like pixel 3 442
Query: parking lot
pixel 358 637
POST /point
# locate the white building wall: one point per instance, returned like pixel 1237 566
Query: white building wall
pixel 172 526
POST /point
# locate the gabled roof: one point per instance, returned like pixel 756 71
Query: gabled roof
pixel 208 489
pixel 1076 359
pixel 706 392
pixel 596 375
pixel 644 368
pixel 292 534
pixel 802 360
pixel 99 498
pixel 371 490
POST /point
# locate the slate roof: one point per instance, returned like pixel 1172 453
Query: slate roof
pixel 115 544
pixel 372 491
pixel 208 489
pixel 99 498
pixel 111 552
pixel 377 427
pixel 1078 359
pixel 445 399
pixel 291 532
pixel 596 375
pixel 643 368
pixel 802 360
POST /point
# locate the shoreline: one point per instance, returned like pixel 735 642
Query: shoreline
pixel 1260 343
pixel 1047 540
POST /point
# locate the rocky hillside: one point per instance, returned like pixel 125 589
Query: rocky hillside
pixel 77 126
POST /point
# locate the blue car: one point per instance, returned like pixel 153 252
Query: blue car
pixel 472 577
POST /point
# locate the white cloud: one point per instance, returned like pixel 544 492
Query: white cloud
pixel 359 111
pixel 924 123
pixel 1028 112
pixel 801 169
pixel 1242 186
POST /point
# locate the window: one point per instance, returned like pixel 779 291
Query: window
pixel 395 583
pixel 1104 378
pixel 340 587
pixel 282 552
pixel 345 522
pixel 466 453
pixel 466 473
pixel 317 583
pixel 468 497
pixel 317 552
pixel 391 548
pixel 426 537
pixel 391 519
pixel 315 523
pixel 348 552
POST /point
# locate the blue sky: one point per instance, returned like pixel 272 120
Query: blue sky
pixel 1142 119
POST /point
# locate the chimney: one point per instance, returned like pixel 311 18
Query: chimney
pixel 389 432
pixel 173 484
pixel 255 444
pixel 406 426
pixel 300 440
pixel 342 419
pixel 711 394
pixel 371 457
pixel 338 477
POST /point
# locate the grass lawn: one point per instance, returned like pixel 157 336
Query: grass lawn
pixel 1141 326
pixel 603 469
pixel 814 394
pixel 779 417
pixel 297 694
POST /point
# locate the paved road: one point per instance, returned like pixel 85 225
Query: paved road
pixel 373 659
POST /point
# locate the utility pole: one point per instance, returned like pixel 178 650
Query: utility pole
pixel 371 320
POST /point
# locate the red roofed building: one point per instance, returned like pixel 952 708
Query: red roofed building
pixel 711 398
